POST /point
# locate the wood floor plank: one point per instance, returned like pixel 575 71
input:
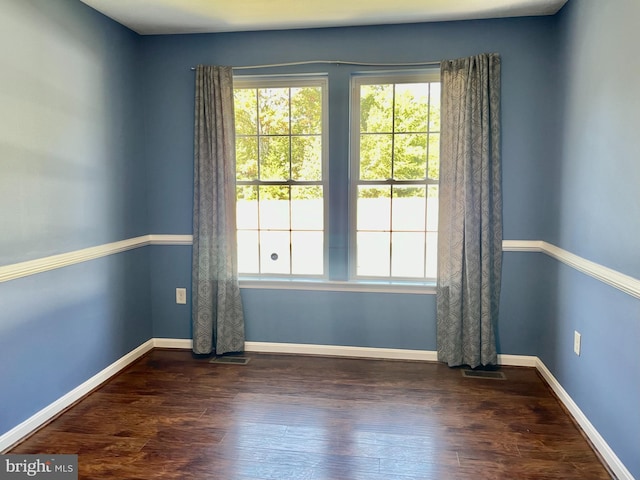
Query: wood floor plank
pixel 281 417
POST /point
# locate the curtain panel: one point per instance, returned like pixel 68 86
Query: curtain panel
pixel 217 315
pixel 470 212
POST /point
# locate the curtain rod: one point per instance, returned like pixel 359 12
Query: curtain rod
pixel 335 62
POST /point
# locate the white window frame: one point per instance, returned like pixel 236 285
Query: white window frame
pixel 357 80
pixel 292 81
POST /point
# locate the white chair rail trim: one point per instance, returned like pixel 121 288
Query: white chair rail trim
pixel 622 282
pixel 625 283
pixel 44 264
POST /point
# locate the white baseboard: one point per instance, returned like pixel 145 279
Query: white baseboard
pixel 369 352
pixel 517 360
pixel 182 343
pixel 43 416
pixel 345 351
pixel 610 458
pixel 340 351
pixel 311 349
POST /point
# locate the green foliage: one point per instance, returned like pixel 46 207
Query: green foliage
pixel 245 106
pixel 274 192
pixel 246 192
pixel 376 108
pixel 274 158
pixel 406 192
pixel 279 192
pixel 375 156
pixel 411 107
pixel 306 192
pixel 278 138
pixel 273 111
pixel 306 158
pixel 434 156
pixel 410 156
pixel 278 134
pixel 434 111
pixel 246 158
pixel 306 111
pixel 381 191
pixel 399 131
pixel 386 191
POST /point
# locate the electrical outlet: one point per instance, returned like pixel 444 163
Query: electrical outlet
pixel 576 342
pixel 181 296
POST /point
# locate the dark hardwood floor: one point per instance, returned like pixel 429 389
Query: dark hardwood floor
pixel 284 417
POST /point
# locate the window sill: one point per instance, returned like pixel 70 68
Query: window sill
pixel 417 288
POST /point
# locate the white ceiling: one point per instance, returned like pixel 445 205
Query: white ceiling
pixel 150 17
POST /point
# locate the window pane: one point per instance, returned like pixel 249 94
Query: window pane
pixel 274 252
pixel 246 158
pixel 432 255
pixel 410 156
pixel 432 208
pixel 434 156
pixel 434 107
pixel 373 254
pixel 408 212
pixel 307 210
pixel 246 207
pixel 246 111
pixel 279 141
pixel 274 158
pixel 273 106
pixel 376 108
pixel 411 107
pixel 274 207
pixel 306 158
pixel 248 251
pixel 307 253
pixel 374 208
pixel 400 158
pixel 306 110
pixel 407 254
pixel 375 156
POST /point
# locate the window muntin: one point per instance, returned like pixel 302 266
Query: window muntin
pixel 280 175
pixel 395 168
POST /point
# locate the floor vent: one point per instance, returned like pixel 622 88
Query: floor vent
pixel 492 375
pixel 230 360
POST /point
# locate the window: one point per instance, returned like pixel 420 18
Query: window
pixel 395 139
pixel 388 230
pixel 281 175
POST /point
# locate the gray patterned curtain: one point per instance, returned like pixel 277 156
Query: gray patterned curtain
pixel 218 320
pixel 470 217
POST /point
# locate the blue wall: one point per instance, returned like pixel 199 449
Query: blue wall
pixel 570 173
pixel 96 145
pixel 598 218
pixel 70 156
pixel 59 328
pixel 525 45
pixel 71 176
pixel 599 214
